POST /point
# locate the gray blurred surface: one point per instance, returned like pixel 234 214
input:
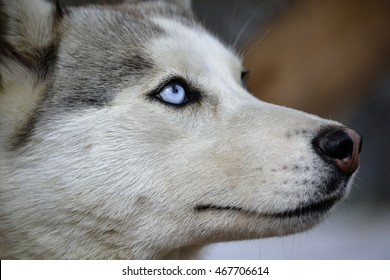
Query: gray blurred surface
pixel 372 120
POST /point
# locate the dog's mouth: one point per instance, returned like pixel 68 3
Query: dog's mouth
pixel 311 209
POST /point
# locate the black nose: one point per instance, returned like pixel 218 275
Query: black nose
pixel 341 145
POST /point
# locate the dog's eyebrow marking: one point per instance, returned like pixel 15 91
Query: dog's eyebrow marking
pixel 99 89
pixel 136 64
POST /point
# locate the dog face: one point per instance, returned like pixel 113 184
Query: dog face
pixel 143 141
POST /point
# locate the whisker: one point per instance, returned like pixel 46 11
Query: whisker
pixel 245 54
pixel 246 24
pixel 292 247
pixel 284 249
pixel 260 250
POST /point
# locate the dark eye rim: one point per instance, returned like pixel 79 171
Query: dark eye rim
pixel 193 94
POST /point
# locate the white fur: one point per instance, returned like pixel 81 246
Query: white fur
pixel 122 181
pixel 30 24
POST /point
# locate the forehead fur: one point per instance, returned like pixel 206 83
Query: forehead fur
pixel 192 52
pixel 107 48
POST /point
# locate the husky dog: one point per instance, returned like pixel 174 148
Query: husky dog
pixel 126 133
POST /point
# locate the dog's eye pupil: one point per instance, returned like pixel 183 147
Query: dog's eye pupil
pixel 173 93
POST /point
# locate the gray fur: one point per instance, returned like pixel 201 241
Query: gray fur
pixel 94 165
pixel 106 69
pixel 89 49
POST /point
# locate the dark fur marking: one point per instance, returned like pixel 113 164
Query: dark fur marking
pixel 48 61
pixel 23 134
pixel 60 10
pixel 8 51
pixel 86 2
pixel 109 78
pixel 84 99
pixel 39 62
pixel 3 20
pixel 137 64
pixel 41 65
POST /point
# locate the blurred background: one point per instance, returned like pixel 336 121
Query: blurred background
pixel 330 58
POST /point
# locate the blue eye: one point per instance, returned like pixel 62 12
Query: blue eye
pixel 173 93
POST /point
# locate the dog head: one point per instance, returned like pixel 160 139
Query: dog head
pixel 128 133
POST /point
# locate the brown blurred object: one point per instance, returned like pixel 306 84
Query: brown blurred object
pixel 321 56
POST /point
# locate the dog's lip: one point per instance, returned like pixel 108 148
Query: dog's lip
pixel 205 207
pixel 315 208
pixel 309 209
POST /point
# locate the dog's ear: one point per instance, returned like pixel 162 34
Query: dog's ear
pixel 184 4
pixel 28 49
pixel 28 32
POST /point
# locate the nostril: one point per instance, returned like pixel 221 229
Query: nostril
pixel 335 144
